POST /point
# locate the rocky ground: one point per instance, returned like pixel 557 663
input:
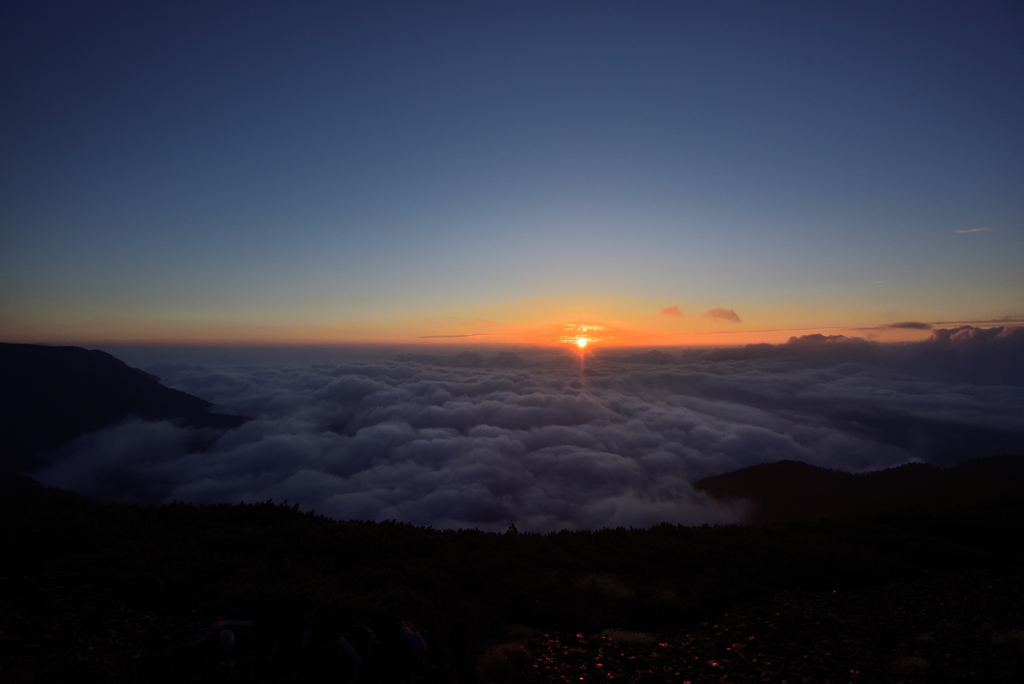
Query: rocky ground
pixel 951 627
pixel 964 627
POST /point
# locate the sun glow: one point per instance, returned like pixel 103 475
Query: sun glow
pixel 581 342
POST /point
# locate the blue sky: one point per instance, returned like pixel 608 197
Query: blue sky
pixel 257 172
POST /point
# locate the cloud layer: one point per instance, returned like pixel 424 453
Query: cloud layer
pixel 540 438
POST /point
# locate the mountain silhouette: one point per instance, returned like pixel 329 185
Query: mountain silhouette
pixel 51 395
pixel 791 490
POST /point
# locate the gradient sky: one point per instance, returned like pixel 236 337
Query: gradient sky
pixel 358 172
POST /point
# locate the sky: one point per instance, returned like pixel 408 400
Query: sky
pixel 648 173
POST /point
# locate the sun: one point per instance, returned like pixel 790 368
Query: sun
pixel 581 342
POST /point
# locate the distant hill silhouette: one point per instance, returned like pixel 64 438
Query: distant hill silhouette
pixel 791 490
pixel 15 487
pixel 51 395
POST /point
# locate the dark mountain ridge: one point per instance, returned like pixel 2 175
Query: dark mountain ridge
pixel 51 395
pixel 791 490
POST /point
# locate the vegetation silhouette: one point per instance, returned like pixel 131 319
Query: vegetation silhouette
pixel 163 573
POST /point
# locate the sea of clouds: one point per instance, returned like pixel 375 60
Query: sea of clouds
pixel 547 439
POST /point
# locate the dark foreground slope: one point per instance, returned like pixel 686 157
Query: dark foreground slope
pixel 790 490
pixel 50 395
pixel 113 593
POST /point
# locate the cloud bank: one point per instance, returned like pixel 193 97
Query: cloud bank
pixel 466 438
pixel 910 325
pixel 724 315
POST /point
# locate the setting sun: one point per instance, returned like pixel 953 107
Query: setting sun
pixel 581 342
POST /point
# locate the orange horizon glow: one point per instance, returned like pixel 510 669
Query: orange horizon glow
pixel 612 328
pixel 541 338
